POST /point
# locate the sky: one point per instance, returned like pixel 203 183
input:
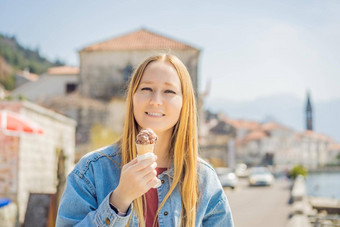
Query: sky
pixel 249 48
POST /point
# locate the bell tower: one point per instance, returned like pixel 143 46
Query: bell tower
pixel 309 113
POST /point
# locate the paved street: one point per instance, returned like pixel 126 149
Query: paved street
pixel 260 206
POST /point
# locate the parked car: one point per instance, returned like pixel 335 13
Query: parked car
pixel 227 177
pixel 260 176
pixel 241 170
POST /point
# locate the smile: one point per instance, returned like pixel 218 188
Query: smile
pixel 155 114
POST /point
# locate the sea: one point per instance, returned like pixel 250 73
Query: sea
pixel 323 184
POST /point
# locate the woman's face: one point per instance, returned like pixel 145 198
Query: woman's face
pixel 157 102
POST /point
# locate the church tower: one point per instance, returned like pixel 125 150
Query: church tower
pixel 309 114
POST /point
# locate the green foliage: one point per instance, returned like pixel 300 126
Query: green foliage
pixel 9 98
pixel 8 82
pixel 298 170
pixel 20 58
pixel 338 156
pixel 21 97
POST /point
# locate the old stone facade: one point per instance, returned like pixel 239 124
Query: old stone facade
pixel 217 140
pixel 106 67
pixel 29 162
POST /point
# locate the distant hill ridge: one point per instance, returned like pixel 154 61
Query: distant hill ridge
pixel 14 57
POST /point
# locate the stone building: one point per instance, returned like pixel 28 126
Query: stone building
pixel 313 149
pixel 106 67
pixel 225 142
pixel 275 144
pixel 217 140
pixel 57 81
pixel 265 144
pixel 35 163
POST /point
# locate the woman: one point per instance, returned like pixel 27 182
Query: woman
pixel 111 188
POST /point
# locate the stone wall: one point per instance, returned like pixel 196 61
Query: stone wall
pixel 38 155
pixel 102 72
pixel 116 115
pixel 214 148
pixel 9 155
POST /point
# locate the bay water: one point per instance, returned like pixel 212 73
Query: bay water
pixel 323 184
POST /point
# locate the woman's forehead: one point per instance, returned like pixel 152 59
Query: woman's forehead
pixel 161 72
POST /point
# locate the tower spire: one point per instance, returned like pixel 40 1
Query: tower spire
pixel 309 113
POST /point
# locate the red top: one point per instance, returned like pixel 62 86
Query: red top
pixel 151 198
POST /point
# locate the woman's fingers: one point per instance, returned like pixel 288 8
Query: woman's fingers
pixel 139 174
pixel 152 182
pixel 147 169
pixel 132 162
pixel 140 165
pixel 150 176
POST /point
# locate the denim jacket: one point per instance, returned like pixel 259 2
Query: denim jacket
pixel 85 201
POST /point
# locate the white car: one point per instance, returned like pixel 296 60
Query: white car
pixel 260 176
pixel 227 177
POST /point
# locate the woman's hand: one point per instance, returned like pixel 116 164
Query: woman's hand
pixel 135 180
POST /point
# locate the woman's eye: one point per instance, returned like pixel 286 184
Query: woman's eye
pixel 146 89
pixel 170 91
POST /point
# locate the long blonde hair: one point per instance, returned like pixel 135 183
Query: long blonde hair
pixel 184 140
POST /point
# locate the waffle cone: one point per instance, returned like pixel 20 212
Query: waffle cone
pixel 144 148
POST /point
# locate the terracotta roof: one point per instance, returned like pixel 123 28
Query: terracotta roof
pixel 272 126
pixel 315 135
pixel 139 40
pixel 256 135
pixel 63 70
pixel 251 125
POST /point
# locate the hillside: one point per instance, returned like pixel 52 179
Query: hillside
pixel 14 57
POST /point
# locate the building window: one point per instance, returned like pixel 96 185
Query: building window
pixel 127 72
pixel 70 87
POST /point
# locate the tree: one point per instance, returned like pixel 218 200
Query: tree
pixel 298 170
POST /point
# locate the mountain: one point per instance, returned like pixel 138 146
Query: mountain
pixel 285 109
pixel 14 57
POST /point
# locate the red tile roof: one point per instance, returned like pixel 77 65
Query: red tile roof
pixel 250 125
pixel 63 70
pixel 269 126
pixel 139 40
pixel 314 135
pixel 256 135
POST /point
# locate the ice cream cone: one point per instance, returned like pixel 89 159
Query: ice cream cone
pixel 145 151
pixel 144 148
pixel 145 142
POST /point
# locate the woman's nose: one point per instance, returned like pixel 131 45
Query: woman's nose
pixel 156 98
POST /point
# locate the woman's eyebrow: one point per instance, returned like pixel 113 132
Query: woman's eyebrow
pixel 146 82
pixel 170 84
pixel 166 83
